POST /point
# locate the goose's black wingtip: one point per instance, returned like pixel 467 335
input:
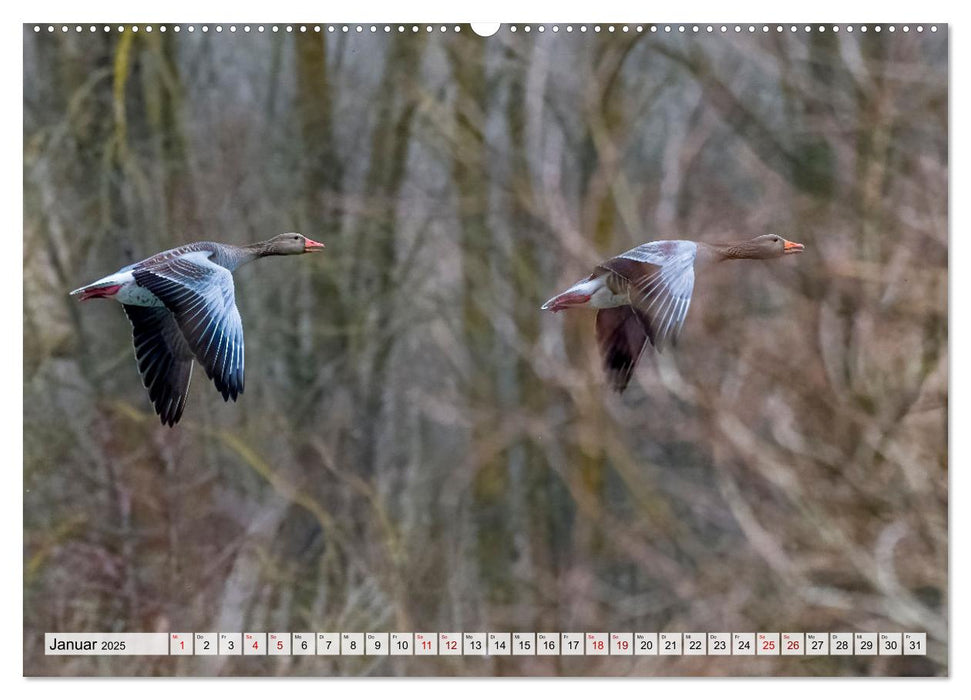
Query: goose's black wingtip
pixel 170 421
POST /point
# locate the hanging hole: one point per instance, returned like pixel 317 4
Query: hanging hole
pixel 485 28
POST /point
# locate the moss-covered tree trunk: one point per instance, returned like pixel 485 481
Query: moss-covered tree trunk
pixel 490 483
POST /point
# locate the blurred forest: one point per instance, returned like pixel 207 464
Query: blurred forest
pixel 419 448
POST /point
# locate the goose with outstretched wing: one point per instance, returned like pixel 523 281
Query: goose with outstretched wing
pixel 182 308
pixel 642 296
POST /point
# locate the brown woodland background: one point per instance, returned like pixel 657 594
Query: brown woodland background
pixel 419 448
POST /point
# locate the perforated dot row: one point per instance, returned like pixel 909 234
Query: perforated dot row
pixel 245 28
pixel 414 28
pixel 723 28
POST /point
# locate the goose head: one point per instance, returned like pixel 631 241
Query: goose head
pixel 768 246
pixel 290 244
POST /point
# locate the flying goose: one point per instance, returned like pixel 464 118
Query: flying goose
pixel 182 307
pixel 644 294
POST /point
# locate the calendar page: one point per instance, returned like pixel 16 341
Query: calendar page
pixel 563 349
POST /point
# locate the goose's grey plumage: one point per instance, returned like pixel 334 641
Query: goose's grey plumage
pixel 182 307
pixel 643 295
pixel 164 359
pixel 659 278
pixel 200 296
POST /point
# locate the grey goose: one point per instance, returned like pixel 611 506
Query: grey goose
pixel 642 296
pixel 182 307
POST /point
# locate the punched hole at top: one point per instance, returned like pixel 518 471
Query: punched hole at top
pixel 485 28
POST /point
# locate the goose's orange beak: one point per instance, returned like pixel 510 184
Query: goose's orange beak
pixel 791 247
pixel 310 246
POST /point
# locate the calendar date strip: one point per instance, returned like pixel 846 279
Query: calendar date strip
pixel 487 644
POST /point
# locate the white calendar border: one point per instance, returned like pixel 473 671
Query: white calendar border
pixel 11 653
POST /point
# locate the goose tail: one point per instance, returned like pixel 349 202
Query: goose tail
pixel 95 291
pixel 577 295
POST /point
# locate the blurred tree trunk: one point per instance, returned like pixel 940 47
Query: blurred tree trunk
pixel 162 87
pixel 321 177
pixel 494 552
pixel 873 150
pixel 803 158
pixel 529 236
pixel 61 248
pixel 375 298
pixel 605 132
pixel 305 336
pixel 377 301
